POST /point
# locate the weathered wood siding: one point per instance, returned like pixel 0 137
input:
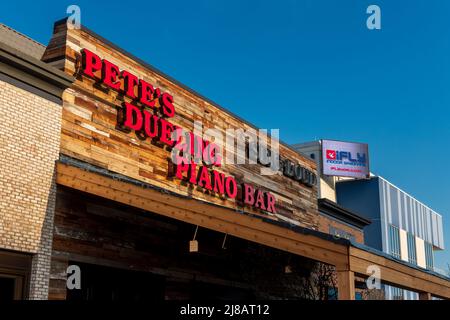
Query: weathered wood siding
pixel 89 131
pixel 96 231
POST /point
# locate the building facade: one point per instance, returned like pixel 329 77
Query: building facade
pixel 400 225
pixel 99 202
pixel 30 113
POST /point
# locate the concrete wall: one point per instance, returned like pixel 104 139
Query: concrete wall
pixel 325 184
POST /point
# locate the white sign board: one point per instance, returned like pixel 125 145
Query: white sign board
pixel 345 159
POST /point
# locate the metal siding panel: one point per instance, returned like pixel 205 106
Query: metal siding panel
pixel 441 233
pixel 435 229
pixel 428 223
pixel 403 210
pixel 383 216
pixel 394 207
pixel 406 208
pixel 410 217
pixel 389 204
pixel 417 217
pixel 400 210
pixel 421 221
pixel 413 217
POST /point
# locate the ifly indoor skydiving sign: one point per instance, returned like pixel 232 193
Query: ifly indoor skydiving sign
pixel 345 159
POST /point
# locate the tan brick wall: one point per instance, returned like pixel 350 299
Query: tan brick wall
pixel 29 145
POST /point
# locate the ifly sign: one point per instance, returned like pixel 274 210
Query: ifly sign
pixel 345 159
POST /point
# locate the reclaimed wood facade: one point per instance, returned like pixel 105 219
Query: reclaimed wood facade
pixel 89 132
pixel 93 231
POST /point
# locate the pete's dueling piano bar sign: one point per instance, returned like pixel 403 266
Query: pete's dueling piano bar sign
pixel 148 115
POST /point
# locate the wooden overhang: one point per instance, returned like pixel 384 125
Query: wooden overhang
pixel 348 257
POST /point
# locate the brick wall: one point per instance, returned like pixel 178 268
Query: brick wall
pixel 29 145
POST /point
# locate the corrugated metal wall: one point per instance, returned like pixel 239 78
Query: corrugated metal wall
pixel 403 211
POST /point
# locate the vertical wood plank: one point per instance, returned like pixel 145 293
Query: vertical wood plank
pixel 424 296
pixel 346 285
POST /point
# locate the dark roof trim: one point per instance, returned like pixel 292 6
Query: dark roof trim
pixel 176 82
pixel 333 209
pixel 33 72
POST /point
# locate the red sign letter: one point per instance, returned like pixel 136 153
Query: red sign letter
pixel 146 91
pixel 259 203
pixel 270 202
pixel 249 194
pixel 109 75
pixel 167 105
pixel 150 124
pixel 218 182
pixel 165 132
pixel 204 179
pixel 133 117
pixel 129 82
pixel 231 187
pixel 91 63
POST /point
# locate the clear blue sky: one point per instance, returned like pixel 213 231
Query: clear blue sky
pixel 309 67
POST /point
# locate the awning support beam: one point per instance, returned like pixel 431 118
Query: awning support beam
pixel 347 258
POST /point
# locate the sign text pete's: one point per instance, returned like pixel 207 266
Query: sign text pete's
pixel 147 115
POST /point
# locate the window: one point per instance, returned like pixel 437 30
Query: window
pixel 10 287
pixel 14 275
pixel 332 293
pixel 394 241
pixel 397 293
pixel 412 254
pixel 429 255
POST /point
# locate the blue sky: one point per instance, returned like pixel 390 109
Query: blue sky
pixel 309 67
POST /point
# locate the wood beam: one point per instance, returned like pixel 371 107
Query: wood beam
pixel 347 259
pixel 203 208
pixel 398 274
pixel 202 214
pixel 424 296
pixel 346 285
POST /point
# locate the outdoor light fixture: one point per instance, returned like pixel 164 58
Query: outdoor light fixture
pixel 288 267
pixel 193 244
pixel 224 240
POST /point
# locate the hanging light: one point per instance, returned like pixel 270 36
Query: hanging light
pixel 193 244
pixel 224 241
